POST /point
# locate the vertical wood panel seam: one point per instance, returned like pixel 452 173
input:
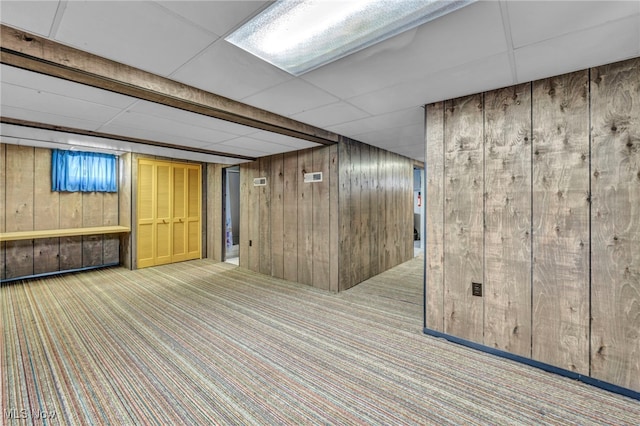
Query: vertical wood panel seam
pixel 337 210
pixel 531 257
pixel 284 181
pixel 297 230
pixel 329 251
pixel 297 234
pixel 484 215
pixel 3 246
pixel 132 211
pixel 424 226
pixel 444 196
pixel 33 214
pixel 589 220
pixel 313 222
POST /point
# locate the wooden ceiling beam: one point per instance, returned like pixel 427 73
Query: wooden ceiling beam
pixel 38 54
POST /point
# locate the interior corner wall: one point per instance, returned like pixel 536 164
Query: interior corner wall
pixel 375 210
pixel 289 227
pixel 334 234
pixel 533 191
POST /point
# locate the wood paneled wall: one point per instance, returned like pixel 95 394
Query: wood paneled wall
pixel 285 226
pixel 3 208
pixel 560 197
pixel 463 187
pixel 332 234
pixel 376 211
pixel 534 191
pixel 434 212
pixel 615 223
pixel 29 204
pixel 507 254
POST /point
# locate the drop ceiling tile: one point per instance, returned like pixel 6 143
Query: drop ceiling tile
pixel 140 34
pixel 283 140
pixel 168 129
pixel 415 152
pixel 395 137
pixel 50 139
pixel 486 74
pixel 55 104
pixel 253 147
pixel 535 21
pixel 185 155
pixel 191 119
pixel 30 136
pixel 291 97
pixel 399 118
pixel 237 150
pixel 32 16
pixel 48 118
pixel 328 115
pixel 64 88
pixel 228 71
pixel 218 17
pixel 153 135
pixel 468 34
pixel 609 43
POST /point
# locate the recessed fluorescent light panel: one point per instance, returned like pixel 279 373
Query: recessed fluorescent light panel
pixel 301 35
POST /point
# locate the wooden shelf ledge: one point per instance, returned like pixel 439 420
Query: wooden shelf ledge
pixel 68 232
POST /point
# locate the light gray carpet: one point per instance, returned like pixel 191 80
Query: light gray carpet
pixel 209 343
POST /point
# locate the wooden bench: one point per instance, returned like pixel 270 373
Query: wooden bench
pixel 68 232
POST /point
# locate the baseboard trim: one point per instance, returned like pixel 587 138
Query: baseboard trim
pixel 66 271
pixel 533 363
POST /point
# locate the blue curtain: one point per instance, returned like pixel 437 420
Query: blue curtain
pixel 75 171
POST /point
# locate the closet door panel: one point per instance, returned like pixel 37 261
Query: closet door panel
pixel 146 222
pixel 169 212
pixel 179 248
pixel 193 209
pixel 163 214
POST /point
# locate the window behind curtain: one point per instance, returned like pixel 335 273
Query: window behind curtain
pixel 75 171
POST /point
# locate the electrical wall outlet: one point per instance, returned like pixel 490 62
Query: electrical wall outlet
pixel 476 289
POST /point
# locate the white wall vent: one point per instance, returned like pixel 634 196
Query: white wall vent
pixel 313 177
pixel 261 181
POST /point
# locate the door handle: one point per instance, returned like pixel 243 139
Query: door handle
pixel 180 220
pixel 164 221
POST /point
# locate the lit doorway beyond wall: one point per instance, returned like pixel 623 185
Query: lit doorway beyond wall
pixel 418 211
pixel 231 214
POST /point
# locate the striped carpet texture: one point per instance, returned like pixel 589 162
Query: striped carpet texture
pixel 208 343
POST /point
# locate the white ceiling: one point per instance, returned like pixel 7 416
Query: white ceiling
pixel 375 95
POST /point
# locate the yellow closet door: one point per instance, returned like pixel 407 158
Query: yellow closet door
pixel 146 221
pixel 163 213
pixel 179 213
pixel 169 203
pixel 193 210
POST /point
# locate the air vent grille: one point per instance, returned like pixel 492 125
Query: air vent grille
pixel 313 177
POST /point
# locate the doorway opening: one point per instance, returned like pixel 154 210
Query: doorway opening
pixel 418 211
pixel 231 214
